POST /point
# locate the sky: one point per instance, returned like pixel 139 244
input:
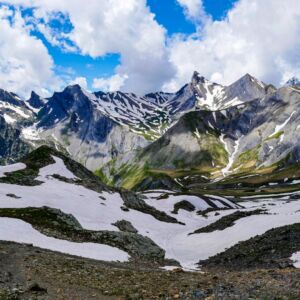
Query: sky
pixel 144 46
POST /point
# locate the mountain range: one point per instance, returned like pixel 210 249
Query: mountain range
pixel 202 134
pixel 107 194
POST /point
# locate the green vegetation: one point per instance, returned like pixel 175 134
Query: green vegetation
pixel 275 136
pixel 248 159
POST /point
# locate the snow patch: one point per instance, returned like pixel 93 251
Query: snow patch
pixel 15 230
pixel 11 168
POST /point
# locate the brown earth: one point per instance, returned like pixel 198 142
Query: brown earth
pixel 27 272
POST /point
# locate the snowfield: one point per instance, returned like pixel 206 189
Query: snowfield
pixel 15 230
pixel 95 213
pixel 11 168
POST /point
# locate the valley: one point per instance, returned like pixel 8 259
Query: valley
pixel 181 188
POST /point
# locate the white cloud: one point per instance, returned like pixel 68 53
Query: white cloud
pixel 194 10
pixel 258 37
pixel 110 84
pixel 81 81
pixel 24 60
pixel 111 26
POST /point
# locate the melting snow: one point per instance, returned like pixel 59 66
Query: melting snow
pixel 87 207
pixel 296 259
pixel 11 168
pixel 14 108
pixel 15 230
pixel 9 119
pixel 30 133
pixel 278 128
pixel 231 158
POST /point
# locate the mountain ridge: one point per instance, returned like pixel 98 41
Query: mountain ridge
pixel 106 131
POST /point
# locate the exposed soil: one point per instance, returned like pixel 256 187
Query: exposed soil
pixel 30 273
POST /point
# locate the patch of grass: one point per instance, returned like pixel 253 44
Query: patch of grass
pixel 275 136
pixel 247 160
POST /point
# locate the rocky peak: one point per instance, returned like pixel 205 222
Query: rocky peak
pixel 247 81
pixel 246 88
pixel 35 101
pixel 74 88
pixel 11 98
pixel 72 100
pixel 294 81
pixel 197 78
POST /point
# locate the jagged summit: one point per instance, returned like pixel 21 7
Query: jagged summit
pixel 10 98
pixel 96 127
pixel 197 77
pixel 73 88
pixel 35 102
pixel 294 81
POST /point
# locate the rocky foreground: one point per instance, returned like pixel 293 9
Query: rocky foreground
pixel 32 273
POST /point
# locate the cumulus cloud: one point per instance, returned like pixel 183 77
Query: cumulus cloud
pixel 194 10
pixel 81 81
pixel 257 37
pixel 25 63
pixel 110 84
pixel 111 26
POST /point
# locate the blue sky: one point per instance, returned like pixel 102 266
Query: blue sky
pixel 171 16
pixel 167 13
pixel 143 46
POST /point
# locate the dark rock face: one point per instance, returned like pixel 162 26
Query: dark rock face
pixel 134 201
pixel 185 205
pixel 35 101
pixel 12 146
pixel 125 226
pixel 270 250
pixel 228 221
pixel 11 98
pixel 158 182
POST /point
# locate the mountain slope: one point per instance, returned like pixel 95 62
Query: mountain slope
pixel 201 94
pixel 12 146
pixel 13 109
pixel 62 200
pixel 52 202
pixel 256 136
pixel 96 128
pixel 75 120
